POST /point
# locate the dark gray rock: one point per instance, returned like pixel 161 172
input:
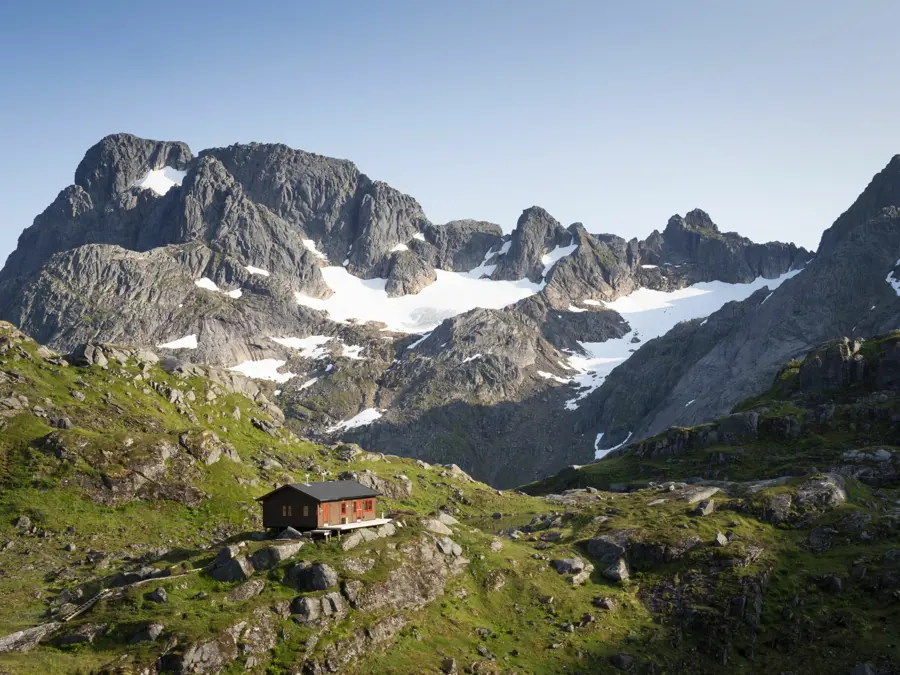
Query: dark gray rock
pixel 236 569
pixel 305 576
pixel 148 634
pixel 408 274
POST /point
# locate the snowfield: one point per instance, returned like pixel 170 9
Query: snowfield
pixel 651 314
pixel 161 180
pixel 362 419
pixel 309 347
pixel 264 369
pixel 187 342
pixel 451 294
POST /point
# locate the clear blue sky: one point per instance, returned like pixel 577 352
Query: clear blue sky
pixel 770 115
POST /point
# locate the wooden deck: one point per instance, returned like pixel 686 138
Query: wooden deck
pixel 346 527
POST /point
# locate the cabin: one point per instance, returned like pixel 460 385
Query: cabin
pixel 331 505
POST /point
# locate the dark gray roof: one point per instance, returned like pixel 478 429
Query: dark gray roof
pixel 331 491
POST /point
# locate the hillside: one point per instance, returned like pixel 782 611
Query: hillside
pixel 764 542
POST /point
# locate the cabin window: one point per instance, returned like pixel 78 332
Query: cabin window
pixel 369 505
pixel 286 510
pixel 305 510
pixel 343 508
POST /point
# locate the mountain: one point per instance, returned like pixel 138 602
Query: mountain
pixel 131 541
pixel 449 342
pixel 701 369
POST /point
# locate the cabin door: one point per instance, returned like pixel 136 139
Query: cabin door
pixel 324 514
pixel 357 509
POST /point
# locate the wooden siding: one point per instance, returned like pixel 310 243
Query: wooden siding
pixel 347 511
pixel 285 508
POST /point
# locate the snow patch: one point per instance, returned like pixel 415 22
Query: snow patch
pixel 471 358
pixel 264 369
pixel 767 297
pixel 598 453
pixel 689 402
pixel 419 341
pixel 400 247
pixel 649 267
pixel 308 383
pixel 353 352
pixel 311 246
pixel 187 342
pixel 256 270
pixel 548 260
pixel 452 293
pixel 161 180
pixel 206 284
pixel 894 281
pixel 573 308
pixel 362 419
pixel 651 314
pixel 419 236
pixel 551 376
pixel 309 347
pixel 592 303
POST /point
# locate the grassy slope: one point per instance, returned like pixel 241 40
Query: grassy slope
pixel 526 630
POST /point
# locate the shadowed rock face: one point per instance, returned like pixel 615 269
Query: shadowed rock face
pixel 736 352
pixel 109 261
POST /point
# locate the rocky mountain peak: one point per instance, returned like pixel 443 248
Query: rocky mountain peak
pixel 536 233
pixel 699 219
pixel 115 163
pixel 882 191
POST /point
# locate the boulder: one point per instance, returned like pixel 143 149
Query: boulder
pixel 705 507
pixel 83 634
pixel 777 508
pixel 608 548
pixel 822 492
pixel 271 556
pixel 227 553
pixel 351 541
pixel 159 596
pixel 306 609
pixel 618 571
pixel 148 634
pixel 606 603
pixel 386 530
pixel 311 577
pixel 449 547
pixel 28 639
pixel 581 577
pixel 447 519
pixel 333 603
pixel 236 569
pixel 246 591
pixel 436 526
pixel 290 533
pixel 568 565
pixel 720 539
